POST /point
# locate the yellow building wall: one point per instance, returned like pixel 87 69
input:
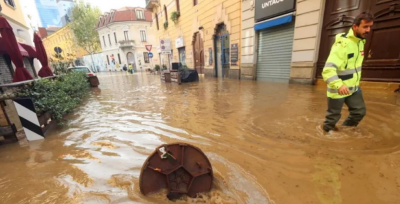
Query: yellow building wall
pixel 13 14
pixel 63 38
pixel 207 13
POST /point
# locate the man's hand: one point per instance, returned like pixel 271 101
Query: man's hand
pixel 344 90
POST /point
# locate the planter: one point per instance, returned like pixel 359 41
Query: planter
pixel 94 81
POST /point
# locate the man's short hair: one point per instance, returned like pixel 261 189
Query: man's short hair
pixel 368 17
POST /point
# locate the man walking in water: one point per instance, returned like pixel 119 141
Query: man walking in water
pixel 342 73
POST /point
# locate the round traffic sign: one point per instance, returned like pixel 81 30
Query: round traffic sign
pixel 150 55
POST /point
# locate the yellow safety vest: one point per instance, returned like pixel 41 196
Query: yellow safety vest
pixel 344 64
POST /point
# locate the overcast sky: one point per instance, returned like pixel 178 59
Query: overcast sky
pixel 107 5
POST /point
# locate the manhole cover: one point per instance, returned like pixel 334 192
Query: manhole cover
pixel 180 168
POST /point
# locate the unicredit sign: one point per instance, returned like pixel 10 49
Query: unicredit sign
pixel 271 8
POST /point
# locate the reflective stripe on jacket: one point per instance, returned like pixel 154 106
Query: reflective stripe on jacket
pixel 344 64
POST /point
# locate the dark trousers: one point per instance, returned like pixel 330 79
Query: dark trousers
pixel 356 106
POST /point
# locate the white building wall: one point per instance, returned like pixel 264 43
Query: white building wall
pixel 133 28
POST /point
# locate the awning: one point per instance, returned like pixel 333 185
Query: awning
pixel 31 50
pixel 287 18
pixel 26 50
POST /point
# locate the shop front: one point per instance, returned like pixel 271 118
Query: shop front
pixel 180 45
pixel 275 29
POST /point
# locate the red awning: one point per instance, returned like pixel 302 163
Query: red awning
pixel 26 50
pixel 31 50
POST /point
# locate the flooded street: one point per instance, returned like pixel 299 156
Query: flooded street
pixel 263 140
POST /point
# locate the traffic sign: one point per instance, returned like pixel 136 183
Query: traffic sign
pixel 148 47
pixel 151 55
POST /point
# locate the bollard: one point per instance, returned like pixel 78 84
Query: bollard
pixel 180 168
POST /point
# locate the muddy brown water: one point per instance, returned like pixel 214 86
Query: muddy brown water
pixel 262 139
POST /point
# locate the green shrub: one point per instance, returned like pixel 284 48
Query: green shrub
pixel 175 16
pixel 157 67
pixel 59 96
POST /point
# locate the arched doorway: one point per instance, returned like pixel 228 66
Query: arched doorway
pixel 221 47
pixel 130 57
pixel 198 53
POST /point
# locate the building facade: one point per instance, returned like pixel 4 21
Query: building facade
pixel 124 34
pixel 11 10
pixel 64 39
pixel 64 6
pixel 203 35
pixel 290 40
pixel 48 13
pixel 31 14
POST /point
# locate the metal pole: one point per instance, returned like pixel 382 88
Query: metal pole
pixel 91 56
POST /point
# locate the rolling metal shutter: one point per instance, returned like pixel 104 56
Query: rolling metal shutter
pixel 275 48
pixel 29 67
pixel 5 73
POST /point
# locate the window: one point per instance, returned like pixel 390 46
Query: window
pixel 115 37
pixel 158 28
pixel 177 6
pixel 10 3
pixel 126 35
pixel 139 14
pixel 195 2
pixel 143 35
pixel 166 13
pixel 109 39
pixel 119 58
pixel 146 57
pixel 104 42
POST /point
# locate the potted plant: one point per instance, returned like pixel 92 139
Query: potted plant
pixel 157 68
pixel 175 16
pixel 166 25
pixel 164 67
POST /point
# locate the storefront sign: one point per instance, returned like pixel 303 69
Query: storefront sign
pixel 179 42
pixel 165 52
pixel 271 8
pixel 234 54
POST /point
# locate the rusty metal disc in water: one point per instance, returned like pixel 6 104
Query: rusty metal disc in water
pixel 180 168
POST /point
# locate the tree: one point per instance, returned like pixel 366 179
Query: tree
pixel 84 20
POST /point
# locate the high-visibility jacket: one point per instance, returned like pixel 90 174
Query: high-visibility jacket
pixel 344 64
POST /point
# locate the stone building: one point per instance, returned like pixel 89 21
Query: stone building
pixel 290 40
pixel 124 34
pixel 200 34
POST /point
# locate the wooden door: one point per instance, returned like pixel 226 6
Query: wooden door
pixel 338 18
pixel 197 53
pixel 382 50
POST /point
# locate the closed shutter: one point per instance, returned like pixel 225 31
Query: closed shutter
pixel 29 67
pixel 5 73
pixel 275 53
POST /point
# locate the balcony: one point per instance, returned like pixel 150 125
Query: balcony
pixel 126 44
pixel 150 4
